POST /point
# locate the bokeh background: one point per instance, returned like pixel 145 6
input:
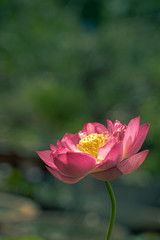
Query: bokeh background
pixel 64 63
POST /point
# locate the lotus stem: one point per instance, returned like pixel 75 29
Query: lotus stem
pixel 113 212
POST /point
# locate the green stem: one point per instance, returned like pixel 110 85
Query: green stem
pixel 113 214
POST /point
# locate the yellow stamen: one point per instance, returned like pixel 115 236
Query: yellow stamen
pixel 92 143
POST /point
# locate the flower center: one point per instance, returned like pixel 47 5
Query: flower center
pixel 92 143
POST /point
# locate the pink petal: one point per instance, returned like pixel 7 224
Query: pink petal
pixel 70 145
pixel 48 159
pixel 132 163
pixel 99 128
pixel 59 144
pixel 68 135
pixel 74 137
pixel 143 130
pixel 82 135
pixel 103 151
pixel 109 126
pixel 114 156
pixel 53 148
pixel 107 175
pixel 60 150
pixel 46 156
pixel 90 128
pixel 130 136
pixel 62 177
pixel 75 164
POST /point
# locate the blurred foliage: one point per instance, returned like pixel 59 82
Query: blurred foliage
pixel 64 63
pixel 21 238
pixel 146 236
pixel 73 211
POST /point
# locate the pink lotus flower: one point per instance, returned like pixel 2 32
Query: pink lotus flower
pixel 106 153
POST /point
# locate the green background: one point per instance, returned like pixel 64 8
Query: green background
pixel 64 63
